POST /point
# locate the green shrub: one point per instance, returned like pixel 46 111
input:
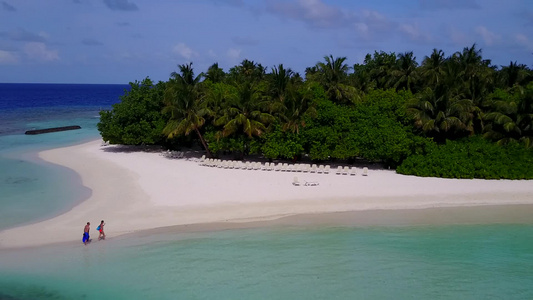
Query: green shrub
pixel 137 118
pixel 471 158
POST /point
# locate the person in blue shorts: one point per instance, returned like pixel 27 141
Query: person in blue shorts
pixel 86 239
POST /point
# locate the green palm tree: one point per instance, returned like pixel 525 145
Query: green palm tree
pixel 279 81
pixel 441 114
pixel 475 72
pixel 297 109
pixel 380 67
pixel 288 99
pixel 215 74
pixel 333 75
pixel 248 70
pixel 514 74
pixel 432 68
pixel 405 73
pixel 244 113
pixel 512 119
pixel 184 102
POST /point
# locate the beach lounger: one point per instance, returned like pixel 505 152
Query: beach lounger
pixel 295 181
pixel 353 171
pixel 278 167
pixel 339 170
pixel 326 169
pixel 346 170
pixel 285 167
pixel 320 169
pixel 311 183
pixel 201 161
pixel 365 171
pixel 257 166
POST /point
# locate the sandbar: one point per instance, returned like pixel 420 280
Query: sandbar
pixel 136 189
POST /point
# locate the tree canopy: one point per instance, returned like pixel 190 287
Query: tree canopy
pixel 389 109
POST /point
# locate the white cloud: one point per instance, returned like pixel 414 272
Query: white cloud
pixel 184 51
pixel 489 37
pixel 366 23
pixel 313 12
pixel 413 32
pixel 212 53
pixel 7 58
pixel 449 4
pixel 524 41
pixel 123 5
pixel 234 54
pixel 362 29
pixel 39 51
pixel 245 41
pixel 459 38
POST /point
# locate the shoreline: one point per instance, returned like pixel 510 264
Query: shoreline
pixel 136 191
pixel 465 215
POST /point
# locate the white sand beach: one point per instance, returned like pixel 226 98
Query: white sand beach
pixel 140 190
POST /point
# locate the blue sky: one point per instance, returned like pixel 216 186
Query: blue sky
pixel 118 41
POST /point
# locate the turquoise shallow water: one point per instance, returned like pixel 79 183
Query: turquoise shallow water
pixel 32 189
pixel 410 262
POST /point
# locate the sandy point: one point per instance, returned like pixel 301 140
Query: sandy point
pixel 134 189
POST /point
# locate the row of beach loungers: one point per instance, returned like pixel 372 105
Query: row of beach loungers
pixel 282 167
pixel 174 154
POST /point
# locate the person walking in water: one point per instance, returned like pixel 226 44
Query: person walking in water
pixel 101 229
pixel 86 236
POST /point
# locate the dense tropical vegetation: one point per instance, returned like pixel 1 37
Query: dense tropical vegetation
pixel 451 116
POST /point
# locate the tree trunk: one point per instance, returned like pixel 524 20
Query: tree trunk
pixel 203 142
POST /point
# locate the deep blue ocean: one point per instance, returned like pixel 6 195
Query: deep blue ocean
pixel 453 261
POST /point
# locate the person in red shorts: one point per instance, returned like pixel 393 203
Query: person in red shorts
pixel 101 230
